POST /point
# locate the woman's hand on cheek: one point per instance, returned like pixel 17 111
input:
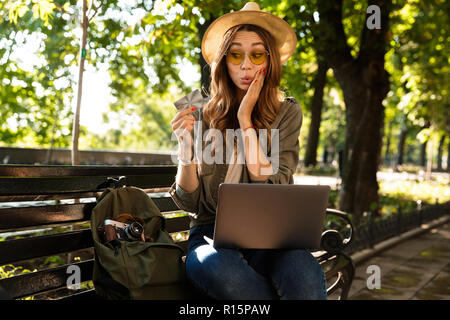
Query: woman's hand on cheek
pixel 252 95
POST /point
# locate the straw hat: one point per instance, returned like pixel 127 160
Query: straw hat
pixel 283 33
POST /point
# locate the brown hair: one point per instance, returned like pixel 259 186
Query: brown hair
pixel 223 103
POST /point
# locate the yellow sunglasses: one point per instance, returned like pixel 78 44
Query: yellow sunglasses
pixel 256 57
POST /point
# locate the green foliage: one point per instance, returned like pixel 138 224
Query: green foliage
pixel 405 193
pixel 34 95
pixel 320 170
pixel 299 70
pixel 146 44
pixel 144 125
pixel 418 64
pixel 54 261
pixel 333 199
pixel 9 270
pixel 332 129
pixel 429 192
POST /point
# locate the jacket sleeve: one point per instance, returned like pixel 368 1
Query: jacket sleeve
pixel 187 201
pixel 288 153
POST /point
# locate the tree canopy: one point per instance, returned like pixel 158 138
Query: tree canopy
pixel 146 45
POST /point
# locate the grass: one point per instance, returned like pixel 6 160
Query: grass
pixel 428 192
pixel 8 270
pixel 407 191
pixel 319 170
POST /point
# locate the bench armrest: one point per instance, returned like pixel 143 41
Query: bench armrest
pixel 332 240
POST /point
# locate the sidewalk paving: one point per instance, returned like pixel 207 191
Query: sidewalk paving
pixel 417 269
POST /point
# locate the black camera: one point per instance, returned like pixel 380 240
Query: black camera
pixel 123 231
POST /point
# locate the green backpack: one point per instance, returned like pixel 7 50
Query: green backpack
pixel 136 270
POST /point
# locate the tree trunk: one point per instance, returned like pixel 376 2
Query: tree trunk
pixel 423 154
pixel 448 156
pixel 439 153
pixel 387 153
pixel 429 160
pixel 364 83
pixel 370 132
pixel 48 156
pixel 76 121
pixel 401 146
pixel 325 156
pixel 362 151
pixel 316 114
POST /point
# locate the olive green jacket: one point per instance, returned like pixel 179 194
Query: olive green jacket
pixel 202 202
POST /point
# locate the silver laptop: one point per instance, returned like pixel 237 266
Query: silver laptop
pixel 270 216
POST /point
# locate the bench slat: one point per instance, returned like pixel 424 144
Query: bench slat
pixel 16 218
pixel 165 204
pixel 49 279
pixel 52 185
pixel 69 195
pixel 85 295
pixel 36 282
pixel 177 224
pixel 33 247
pixel 60 171
pixel 49 197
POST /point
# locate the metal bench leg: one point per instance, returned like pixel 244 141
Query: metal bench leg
pixel 344 274
pixel 347 277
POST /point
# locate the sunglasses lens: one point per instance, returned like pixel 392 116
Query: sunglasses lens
pixel 236 57
pixel 258 57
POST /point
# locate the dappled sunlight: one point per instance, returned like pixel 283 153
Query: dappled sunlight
pixel 426 191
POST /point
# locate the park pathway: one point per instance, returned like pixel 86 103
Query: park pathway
pixel 334 181
pixel 417 269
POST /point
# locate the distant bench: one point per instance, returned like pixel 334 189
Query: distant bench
pixel 49 207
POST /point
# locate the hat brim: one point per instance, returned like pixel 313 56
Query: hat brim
pixel 284 35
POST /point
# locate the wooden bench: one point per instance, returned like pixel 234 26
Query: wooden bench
pixel 44 220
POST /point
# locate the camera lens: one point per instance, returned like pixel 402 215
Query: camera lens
pixel 134 231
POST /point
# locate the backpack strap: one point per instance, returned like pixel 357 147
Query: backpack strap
pixel 113 183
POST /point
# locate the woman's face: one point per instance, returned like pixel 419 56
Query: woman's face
pixel 247 43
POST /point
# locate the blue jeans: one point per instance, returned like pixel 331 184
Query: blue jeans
pixel 252 274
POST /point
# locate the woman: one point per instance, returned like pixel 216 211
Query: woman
pixel 246 50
